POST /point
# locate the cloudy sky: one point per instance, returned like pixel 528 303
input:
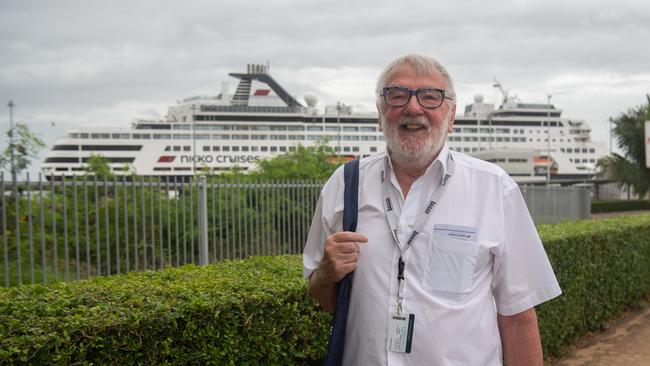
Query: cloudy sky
pixel 105 63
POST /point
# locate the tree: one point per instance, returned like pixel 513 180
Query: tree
pixel 630 169
pixel 98 165
pixel 309 163
pixel 24 144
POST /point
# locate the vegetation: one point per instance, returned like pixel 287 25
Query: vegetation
pixel 619 205
pixel 258 312
pixel 24 144
pixel 630 169
pixel 98 165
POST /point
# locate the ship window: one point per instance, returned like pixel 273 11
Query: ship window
pixel 355 148
pixel 66 147
pixel 584 150
pixel 181 127
pixel 265 148
pixel 351 138
pixel 484 130
pixel 292 148
pixel 168 148
pixel 161 169
pixel 220 127
pixel 278 128
pixel 592 160
pixel 296 137
pixel 382 138
pixel 260 128
pixel 239 137
pixel 58 159
pixel 368 129
pixel 312 137
pixel 177 148
pixel 470 130
pixel 74 135
pixel 274 148
pixel 187 148
pixel 562 149
pixel 111 147
pixel 283 148
pixel 337 149
pixel 179 136
pixel 226 148
pixel 346 148
pixel 240 128
pixel 585 160
pixel 202 127
pixel 161 136
pixel 331 128
pixel 61 169
pixel 592 150
pixel 569 150
pixel 83 135
pixel 202 136
pixel 570 160
pixel 142 136
pixel 278 137
pixel 350 129
pixel 457 129
pixel 259 137
pixel 118 159
pixel 182 169
pixel 314 128
pixel 235 148
pixel 206 148
pixel 244 148
pixel 295 128
pixel 216 148
pixel 373 149
pixel 254 148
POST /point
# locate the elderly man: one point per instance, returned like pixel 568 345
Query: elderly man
pixel 445 247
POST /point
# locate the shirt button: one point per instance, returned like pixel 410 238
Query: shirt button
pixel 404 227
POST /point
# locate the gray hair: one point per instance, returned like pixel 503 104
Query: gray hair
pixel 422 65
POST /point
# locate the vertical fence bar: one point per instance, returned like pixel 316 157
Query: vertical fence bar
pixel 275 238
pixel 263 202
pixel 203 220
pixel 226 208
pixel 5 239
pixel 116 201
pixel 160 224
pixel 86 227
pixel 125 193
pixel 239 228
pixel 66 255
pixel 30 227
pixel 219 210
pixel 233 216
pixel 42 222
pixel 76 227
pixel 192 182
pixel 108 228
pixel 98 256
pixel 257 217
pixel 135 224
pixel 183 204
pixel 145 262
pixel 17 231
pixel 177 197
pixel 243 245
pixel 169 221
pixel 214 221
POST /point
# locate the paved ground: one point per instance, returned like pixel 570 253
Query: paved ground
pixel 626 342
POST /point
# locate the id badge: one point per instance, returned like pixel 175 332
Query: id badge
pixel 400 332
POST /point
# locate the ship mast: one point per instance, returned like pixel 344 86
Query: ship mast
pixel 504 92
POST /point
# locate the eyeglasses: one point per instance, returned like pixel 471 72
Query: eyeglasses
pixel 430 98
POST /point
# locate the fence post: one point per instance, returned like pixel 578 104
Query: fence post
pixel 203 221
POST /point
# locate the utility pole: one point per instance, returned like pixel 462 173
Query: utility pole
pixel 12 144
pixel 548 142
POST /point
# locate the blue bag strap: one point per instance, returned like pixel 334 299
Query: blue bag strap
pixel 336 343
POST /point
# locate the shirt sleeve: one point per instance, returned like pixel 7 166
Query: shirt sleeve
pixel 313 252
pixel 523 276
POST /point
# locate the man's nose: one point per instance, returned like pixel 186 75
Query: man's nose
pixel 413 107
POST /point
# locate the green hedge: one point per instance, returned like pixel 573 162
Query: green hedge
pixel 603 267
pixel 258 312
pixel 619 205
pixel 253 312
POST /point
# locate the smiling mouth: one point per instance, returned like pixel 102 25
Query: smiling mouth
pixel 412 126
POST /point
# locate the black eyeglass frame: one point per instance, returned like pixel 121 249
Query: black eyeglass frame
pixel 412 93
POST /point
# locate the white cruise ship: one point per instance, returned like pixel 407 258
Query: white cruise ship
pixel 261 119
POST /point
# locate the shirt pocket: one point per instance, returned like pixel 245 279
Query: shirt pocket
pixel 450 265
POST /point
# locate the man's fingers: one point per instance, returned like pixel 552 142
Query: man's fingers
pixel 343 236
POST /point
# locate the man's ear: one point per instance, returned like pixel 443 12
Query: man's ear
pixel 379 117
pixel 452 119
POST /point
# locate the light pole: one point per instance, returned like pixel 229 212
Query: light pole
pixel 548 141
pixel 11 140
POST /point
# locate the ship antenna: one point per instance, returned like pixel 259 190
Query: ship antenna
pixel 503 91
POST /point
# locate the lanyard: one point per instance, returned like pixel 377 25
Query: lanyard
pixel 433 199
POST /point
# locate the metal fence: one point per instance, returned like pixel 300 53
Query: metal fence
pixel 549 205
pixel 85 227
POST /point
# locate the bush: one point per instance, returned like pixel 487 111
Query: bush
pixel 619 205
pixel 603 268
pixel 254 312
pixel 258 311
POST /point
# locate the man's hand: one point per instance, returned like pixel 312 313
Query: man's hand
pixel 340 257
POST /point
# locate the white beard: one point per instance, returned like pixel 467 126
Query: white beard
pixel 415 152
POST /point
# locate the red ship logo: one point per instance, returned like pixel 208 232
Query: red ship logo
pixel 166 159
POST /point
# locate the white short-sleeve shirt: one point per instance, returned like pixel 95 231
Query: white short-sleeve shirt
pixel 454 288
